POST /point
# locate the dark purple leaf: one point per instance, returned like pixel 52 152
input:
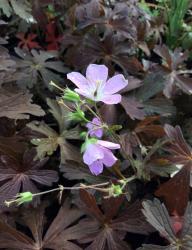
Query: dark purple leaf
pixel 21 175
pixel 157 214
pixel 133 108
pixel 109 228
pixel 16 104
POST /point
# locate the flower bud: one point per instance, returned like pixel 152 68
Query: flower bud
pixel 77 116
pixel 116 190
pixel 70 95
pixel 20 199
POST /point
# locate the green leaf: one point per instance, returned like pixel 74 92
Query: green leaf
pixel 49 140
pixel 23 9
pixel 59 112
pixel 47 145
pixel 5 7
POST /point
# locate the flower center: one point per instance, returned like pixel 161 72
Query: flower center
pixel 98 84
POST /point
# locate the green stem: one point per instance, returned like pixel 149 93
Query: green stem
pixel 90 109
pixel 82 186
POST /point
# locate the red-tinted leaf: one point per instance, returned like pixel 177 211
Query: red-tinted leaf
pixel 27 41
pixel 176 190
pixel 109 228
pixel 91 205
pixel 51 38
pixel 157 214
pixel 60 234
pixel 171 65
pixel 147 130
pixel 133 108
pixel 181 152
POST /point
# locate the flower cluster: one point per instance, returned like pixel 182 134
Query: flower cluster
pixel 96 87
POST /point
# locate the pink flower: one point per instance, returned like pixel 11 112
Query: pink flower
pixel 96 86
pixel 97 154
pixel 94 128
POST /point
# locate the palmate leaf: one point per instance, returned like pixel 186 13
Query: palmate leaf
pixel 153 84
pixel 173 77
pixel 37 65
pixel 159 105
pixel 149 128
pixel 59 236
pixel 88 14
pixel 50 140
pixel 12 142
pixel 20 175
pixel 158 216
pixel 149 166
pixel 179 186
pixel 181 152
pixel 133 108
pixel 7 65
pixel 106 230
pixel 27 41
pixel 109 51
pixel 12 145
pixel 16 104
pixel 22 8
pixel 143 101
pixel 5 7
pixel 118 19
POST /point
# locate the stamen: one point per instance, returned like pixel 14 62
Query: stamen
pixel 98 84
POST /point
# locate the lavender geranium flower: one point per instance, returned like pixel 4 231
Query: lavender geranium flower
pixel 96 86
pixel 98 153
pixel 94 128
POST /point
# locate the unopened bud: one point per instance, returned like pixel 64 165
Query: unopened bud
pixel 70 95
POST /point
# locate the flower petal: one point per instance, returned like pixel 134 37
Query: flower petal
pixel 85 93
pixel 97 132
pixel 92 153
pixel 111 99
pixel 96 121
pixel 79 80
pixel 114 84
pixel 96 167
pixel 93 128
pixel 109 159
pixel 108 144
pixel 96 73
